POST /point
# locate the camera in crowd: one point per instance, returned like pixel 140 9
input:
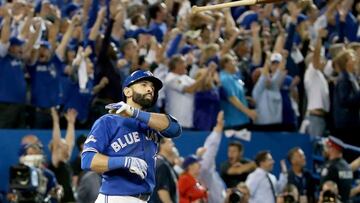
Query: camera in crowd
pixel 29 180
pixel 235 196
pixel 27 184
pixel 329 197
pixel 290 194
pixel 289 198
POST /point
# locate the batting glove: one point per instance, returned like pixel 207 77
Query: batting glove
pixel 120 108
pixel 137 166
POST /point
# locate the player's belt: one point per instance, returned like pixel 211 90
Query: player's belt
pixel 143 196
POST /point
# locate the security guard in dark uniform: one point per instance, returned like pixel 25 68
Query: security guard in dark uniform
pixel 336 168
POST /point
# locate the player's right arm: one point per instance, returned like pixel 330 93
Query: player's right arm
pixel 96 162
pixel 95 144
pixel 101 163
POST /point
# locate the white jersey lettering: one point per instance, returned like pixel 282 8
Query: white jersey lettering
pixel 121 143
pixel 136 136
pixel 116 147
pixel 128 139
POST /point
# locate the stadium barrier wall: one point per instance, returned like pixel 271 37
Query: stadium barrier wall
pixel 277 143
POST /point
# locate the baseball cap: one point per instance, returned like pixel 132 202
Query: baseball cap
pixel 45 2
pixel 72 47
pixel 186 49
pixel 276 57
pixel 23 148
pixel 14 41
pixel 45 44
pixel 189 160
pixel 335 143
pixel 301 18
pixel 247 18
pixel 69 9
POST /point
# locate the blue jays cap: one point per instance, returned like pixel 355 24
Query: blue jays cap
pixel 69 9
pixel 301 18
pixel 14 41
pixel 72 47
pixel 45 44
pixel 141 75
pixel 186 49
pixel 189 160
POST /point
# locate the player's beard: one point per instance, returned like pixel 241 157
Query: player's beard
pixel 142 100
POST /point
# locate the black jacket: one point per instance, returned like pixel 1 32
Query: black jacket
pixel 346 102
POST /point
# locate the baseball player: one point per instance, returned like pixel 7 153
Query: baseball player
pixel 122 145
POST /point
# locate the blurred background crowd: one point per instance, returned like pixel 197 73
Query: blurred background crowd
pixel 292 66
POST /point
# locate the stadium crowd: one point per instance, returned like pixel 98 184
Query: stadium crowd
pixel 290 66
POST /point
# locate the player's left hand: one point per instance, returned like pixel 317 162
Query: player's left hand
pixel 137 166
pixel 120 108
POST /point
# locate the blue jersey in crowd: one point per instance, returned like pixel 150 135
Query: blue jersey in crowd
pixel 12 80
pixel 288 114
pixel 113 136
pixel 76 98
pixel 158 30
pixel 45 82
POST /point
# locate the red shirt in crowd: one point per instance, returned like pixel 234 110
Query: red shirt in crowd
pixel 190 189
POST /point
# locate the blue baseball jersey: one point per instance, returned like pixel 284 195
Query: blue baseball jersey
pixel 45 82
pixel 12 80
pixel 116 136
pixel 79 99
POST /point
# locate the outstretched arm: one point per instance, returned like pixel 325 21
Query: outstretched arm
pixel 212 143
pixel 60 50
pixel 28 49
pixel 5 31
pixel 56 138
pixel 27 22
pixel 70 131
pixel 317 62
pixel 94 32
pixel 355 164
pixel 256 51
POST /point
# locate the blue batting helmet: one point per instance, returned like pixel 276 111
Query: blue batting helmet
pixel 141 75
